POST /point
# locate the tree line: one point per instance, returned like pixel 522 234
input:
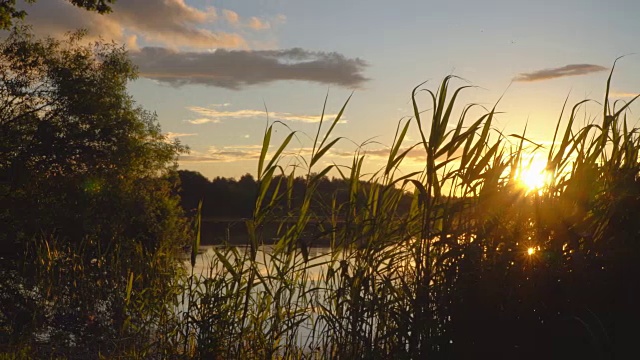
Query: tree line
pixel 227 198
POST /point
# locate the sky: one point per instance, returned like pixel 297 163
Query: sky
pixel 212 70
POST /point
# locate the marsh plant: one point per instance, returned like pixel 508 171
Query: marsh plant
pixel 480 265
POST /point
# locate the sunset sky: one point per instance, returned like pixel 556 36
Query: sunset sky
pixel 209 68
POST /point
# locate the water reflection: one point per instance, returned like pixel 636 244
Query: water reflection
pixel 293 287
pixel 207 264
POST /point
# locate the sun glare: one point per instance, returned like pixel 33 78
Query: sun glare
pixel 533 177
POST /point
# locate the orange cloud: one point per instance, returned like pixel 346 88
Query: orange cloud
pixel 231 16
pixel 171 23
pixel 257 24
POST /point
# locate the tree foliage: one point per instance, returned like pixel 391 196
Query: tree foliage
pixel 228 198
pixel 68 126
pixel 87 192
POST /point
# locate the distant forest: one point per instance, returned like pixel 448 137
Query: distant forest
pixel 228 198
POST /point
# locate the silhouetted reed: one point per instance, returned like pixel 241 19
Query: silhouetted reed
pixel 479 266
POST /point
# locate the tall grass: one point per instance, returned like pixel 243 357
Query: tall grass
pixel 453 277
pixel 450 278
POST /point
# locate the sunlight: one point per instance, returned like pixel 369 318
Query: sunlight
pixel 534 176
pixel 531 251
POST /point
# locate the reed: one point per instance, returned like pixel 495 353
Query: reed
pixel 476 260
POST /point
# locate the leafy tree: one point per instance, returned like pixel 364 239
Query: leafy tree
pixel 8 11
pixel 68 125
pixel 193 189
pixel 87 195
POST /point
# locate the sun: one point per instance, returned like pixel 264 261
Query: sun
pixel 533 176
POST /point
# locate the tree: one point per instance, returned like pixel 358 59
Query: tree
pixel 193 189
pixel 87 186
pixel 8 11
pixel 68 124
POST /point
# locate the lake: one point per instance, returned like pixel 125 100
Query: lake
pixel 219 231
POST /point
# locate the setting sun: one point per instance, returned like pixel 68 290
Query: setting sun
pixel 533 176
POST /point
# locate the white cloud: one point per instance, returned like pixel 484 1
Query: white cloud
pixel 233 153
pixel 200 121
pixel 172 135
pixel 215 115
pixel 224 154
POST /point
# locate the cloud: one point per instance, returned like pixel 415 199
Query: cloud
pixel 170 23
pixel 239 68
pixel 623 94
pixel 232 153
pixel 212 115
pixel 567 70
pixel 224 154
pixel 254 23
pixel 231 17
pixel 175 43
pixel 171 135
pixel 417 153
pixel 200 121
pixel 257 24
pixel 281 19
pixel 56 17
